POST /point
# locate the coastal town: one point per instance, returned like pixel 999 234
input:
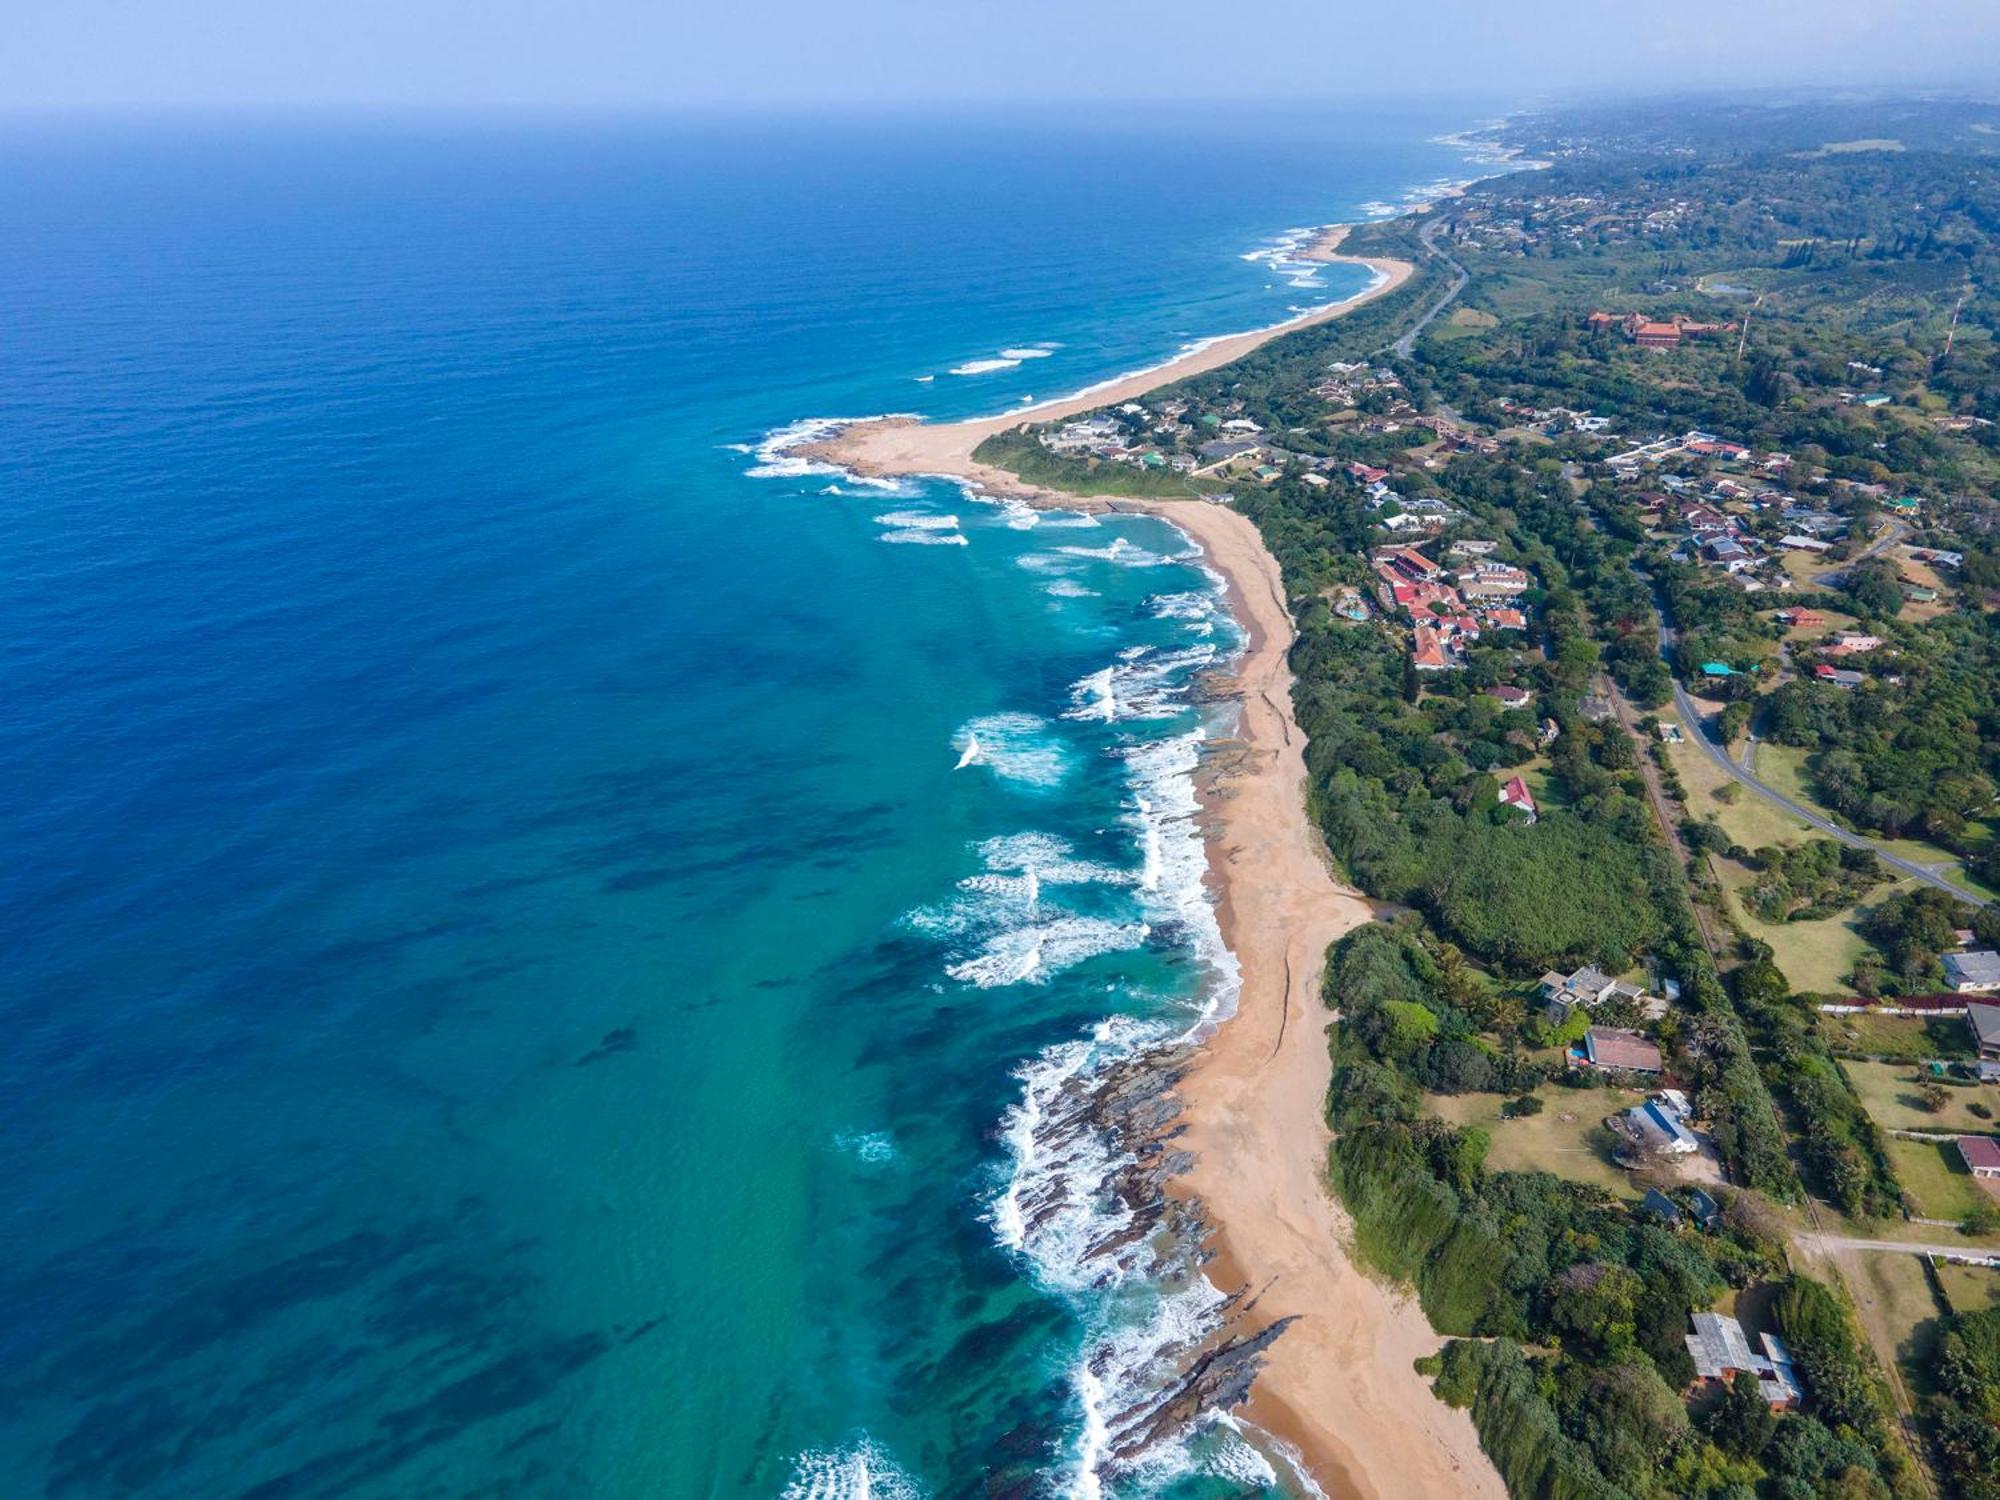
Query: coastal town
pixel 1646 658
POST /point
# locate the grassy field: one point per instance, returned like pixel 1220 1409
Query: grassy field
pixel 1749 820
pixel 1889 1093
pixel 1936 1179
pixel 1567 1138
pixel 1910 1038
pixel 1970 1288
pixel 1815 956
pixel 1783 769
pixel 1897 1309
pixel 1924 574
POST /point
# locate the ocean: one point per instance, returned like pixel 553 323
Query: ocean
pixel 550 945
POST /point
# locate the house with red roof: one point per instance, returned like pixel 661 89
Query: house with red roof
pixel 1427 651
pixel 1515 794
pixel 1981 1154
pixel 1619 1050
pixel 1407 561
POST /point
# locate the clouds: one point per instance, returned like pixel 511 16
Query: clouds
pixel 669 53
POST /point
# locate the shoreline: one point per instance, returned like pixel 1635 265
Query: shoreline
pixel 909 447
pixel 1339 1388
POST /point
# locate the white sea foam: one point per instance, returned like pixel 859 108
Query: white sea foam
pixel 1052 1206
pixel 860 1471
pixel 1036 953
pixel 1068 588
pixel 1043 859
pixel 1045 562
pixel 1030 351
pixel 873 1146
pixel 1124 553
pixel 922 520
pixel 984 366
pixel 1166 818
pixel 1004 926
pixel 1144 683
pixel 1218 1448
pixel 917 537
pixel 1055 1211
pixel 777 458
pixel 1199 608
pixel 1016 747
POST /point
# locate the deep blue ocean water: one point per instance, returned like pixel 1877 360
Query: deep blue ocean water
pixel 508 986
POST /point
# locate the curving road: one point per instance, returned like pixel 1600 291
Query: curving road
pixel 1405 346
pixel 1693 718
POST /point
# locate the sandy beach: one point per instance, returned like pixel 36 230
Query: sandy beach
pixel 1339 1384
pixel 905 445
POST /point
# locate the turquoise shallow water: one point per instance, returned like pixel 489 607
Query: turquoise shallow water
pixel 510 987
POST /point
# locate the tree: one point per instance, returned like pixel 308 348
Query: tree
pixel 1934 1097
pixel 1408 1026
pixel 1742 1421
pixel 1593 1304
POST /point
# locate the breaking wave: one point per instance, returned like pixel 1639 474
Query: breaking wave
pixel 1144 683
pixel 777 456
pixel 860 1471
pixel 1016 747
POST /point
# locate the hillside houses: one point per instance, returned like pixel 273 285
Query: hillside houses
pixel 1563 995
pixel 1448 609
pixel 1656 333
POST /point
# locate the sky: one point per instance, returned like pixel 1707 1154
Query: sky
pixel 655 54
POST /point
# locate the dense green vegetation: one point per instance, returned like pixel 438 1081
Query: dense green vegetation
pixel 1841 1147
pixel 1805 882
pixel 1913 929
pixel 1965 1411
pixel 1527 1258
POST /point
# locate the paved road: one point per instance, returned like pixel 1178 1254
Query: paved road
pixel 1405 346
pixel 1894 532
pixel 1720 756
pixel 1696 723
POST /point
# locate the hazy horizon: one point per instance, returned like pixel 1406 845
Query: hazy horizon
pixel 628 55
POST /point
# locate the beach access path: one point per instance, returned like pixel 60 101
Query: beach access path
pixel 1340 1385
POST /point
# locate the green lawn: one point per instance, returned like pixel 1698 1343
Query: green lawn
pixel 1970 1288
pixel 1749 820
pixel 1783 769
pixel 1889 1093
pixel 1567 1138
pixel 1897 1309
pixel 1936 1179
pixel 1906 1038
pixel 1816 955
